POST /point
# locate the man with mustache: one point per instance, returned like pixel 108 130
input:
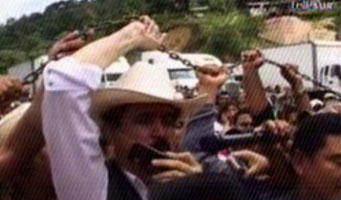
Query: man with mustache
pixel 24 158
pixel 142 107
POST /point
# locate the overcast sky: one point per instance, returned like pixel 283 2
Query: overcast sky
pixel 17 8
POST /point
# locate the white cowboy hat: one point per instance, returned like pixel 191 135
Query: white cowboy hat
pixel 10 121
pixel 144 83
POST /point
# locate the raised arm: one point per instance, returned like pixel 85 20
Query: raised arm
pixel 301 97
pixel 201 125
pixel 253 87
pixel 71 136
pixel 138 34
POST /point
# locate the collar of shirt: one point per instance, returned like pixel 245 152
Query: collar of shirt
pixel 138 184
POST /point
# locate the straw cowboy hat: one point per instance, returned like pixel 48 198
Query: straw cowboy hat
pixel 9 122
pixel 144 83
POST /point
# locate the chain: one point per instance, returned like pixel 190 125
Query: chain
pixel 109 24
pixel 33 76
pixel 175 56
pixel 305 77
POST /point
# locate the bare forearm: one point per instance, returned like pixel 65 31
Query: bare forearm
pixel 106 50
pixel 301 99
pixel 255 94
pixel 210 92
pixel 24 142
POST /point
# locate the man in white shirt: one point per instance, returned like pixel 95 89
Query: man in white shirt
pixel 142 107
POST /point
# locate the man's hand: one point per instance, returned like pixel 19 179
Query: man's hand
pixel 181 165
pixel 335 108
pixel 9 88
pixel 252 60
pixel 138 34
pixel 211 78
pixel 278 127
pixel 283 130
pixel 145 33
pixel 258 164
pixel 288 71
pixel 69 44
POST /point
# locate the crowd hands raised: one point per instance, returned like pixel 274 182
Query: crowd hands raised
pixel 75 140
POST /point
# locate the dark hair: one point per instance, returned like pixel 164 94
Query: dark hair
pixel 109 121
pixel 312 131
pixel 224 108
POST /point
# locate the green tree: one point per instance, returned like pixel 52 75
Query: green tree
pixel 222 5
pixel 9 58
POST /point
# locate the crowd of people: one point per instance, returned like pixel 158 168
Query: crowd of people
pixel 140 139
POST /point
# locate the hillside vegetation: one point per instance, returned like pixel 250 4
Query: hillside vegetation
pixel 224 30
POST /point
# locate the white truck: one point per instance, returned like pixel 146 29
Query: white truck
pixel 182 77
pixel 20 71
pixel 319 60
pixel 115 70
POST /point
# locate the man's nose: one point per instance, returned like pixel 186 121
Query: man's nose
pixel 158 129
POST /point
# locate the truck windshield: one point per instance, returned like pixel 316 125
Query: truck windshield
pixel 112 77
pixel 181 74
pixel 326 71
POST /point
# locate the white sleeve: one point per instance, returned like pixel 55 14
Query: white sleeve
pixel 72 138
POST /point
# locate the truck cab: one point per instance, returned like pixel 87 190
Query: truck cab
pixel 182 76
pixel 115 70
pixel 330 75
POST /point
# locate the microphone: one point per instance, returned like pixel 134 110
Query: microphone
pixel 213 144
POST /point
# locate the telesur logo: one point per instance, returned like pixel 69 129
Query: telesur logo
pixel 311 5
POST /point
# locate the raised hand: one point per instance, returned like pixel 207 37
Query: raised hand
pixel 180 165
pixel 211 78
pixel 9 87
pixel 252 60
pixel 288 71
pixel 145 33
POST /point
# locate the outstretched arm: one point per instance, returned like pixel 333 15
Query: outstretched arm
pixel 72 137
pixel 255 94
pixel 201 125
pixel 302 100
